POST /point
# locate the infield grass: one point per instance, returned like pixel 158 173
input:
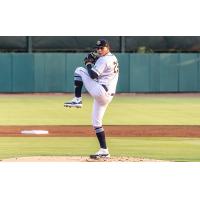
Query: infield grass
pixel 161 148
pixel 123 110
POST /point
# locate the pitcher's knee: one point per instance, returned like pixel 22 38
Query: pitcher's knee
pixel 77 74
pixel 79 70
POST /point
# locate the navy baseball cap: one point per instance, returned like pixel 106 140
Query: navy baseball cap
pixel 102 43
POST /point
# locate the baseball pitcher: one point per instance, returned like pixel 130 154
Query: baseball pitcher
pixel 100 78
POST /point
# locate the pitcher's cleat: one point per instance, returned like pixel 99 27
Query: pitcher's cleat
pixel 75 102
pixel 102 153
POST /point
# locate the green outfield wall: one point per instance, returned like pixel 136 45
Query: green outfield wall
pixel 53 72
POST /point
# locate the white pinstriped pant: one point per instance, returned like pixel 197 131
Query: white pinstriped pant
pixel 101 97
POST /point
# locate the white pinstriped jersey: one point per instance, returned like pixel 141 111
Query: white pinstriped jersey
pixel 107 68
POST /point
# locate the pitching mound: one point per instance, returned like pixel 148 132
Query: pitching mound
pixel 77 159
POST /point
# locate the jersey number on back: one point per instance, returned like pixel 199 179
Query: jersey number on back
pixel 116 68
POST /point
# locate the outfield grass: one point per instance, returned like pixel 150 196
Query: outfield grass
pixel 124 110
pixel 172 149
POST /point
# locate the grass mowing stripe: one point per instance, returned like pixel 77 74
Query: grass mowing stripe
pixel 124 110
pixel 165 148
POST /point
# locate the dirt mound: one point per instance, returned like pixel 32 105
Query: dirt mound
pixel 77 159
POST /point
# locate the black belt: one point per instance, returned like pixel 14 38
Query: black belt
pixel 106 89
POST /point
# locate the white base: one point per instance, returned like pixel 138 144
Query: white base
pixel 38 132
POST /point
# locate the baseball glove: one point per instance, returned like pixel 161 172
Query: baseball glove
pixel 91 58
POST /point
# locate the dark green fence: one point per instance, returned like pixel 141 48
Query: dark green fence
pixel 53 72
pixel 120 44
